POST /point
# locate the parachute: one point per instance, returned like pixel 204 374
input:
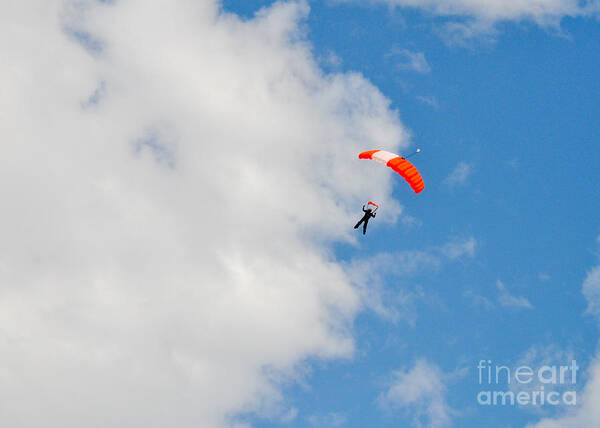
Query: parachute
pixel 373 204
pixel 398 164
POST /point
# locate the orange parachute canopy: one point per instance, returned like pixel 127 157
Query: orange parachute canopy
pixel 398 164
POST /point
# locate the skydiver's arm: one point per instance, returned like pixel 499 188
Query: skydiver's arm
pixel 364 210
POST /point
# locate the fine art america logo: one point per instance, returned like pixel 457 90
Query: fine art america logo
pixel 527 386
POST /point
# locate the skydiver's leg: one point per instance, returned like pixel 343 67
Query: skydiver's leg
pixel 365 227
pixel 359 222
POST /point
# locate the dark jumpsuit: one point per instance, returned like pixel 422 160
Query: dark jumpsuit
pixel 365 219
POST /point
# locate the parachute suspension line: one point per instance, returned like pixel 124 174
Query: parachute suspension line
pixel 413 153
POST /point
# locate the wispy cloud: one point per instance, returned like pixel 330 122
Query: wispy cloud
pixel 545 355
pixel 478 300
pixel 421 392
pixel 543 276
pixel 331 59
pixel 475 21
pixel 329 420
pixel 372 274
pixel 428 100
pixel 409 60
pixel 501 298
pixel 289 416
pixel 488 12
pixel 459 247
pixel 510 301
pixel 459 175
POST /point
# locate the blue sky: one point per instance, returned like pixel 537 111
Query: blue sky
pixel 518 111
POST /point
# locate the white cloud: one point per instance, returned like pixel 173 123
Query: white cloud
pixel 509 301
pixel 537 357
pixel 420 391
pixel 543 12
pixel 591 291
pixel 170 189
pixel 466 21
pixel 459 175
pixel 587 413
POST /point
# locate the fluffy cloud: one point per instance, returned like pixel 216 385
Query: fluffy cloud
pixel 587 414
pixel 172 177
pixel 591 291
pixel 421 391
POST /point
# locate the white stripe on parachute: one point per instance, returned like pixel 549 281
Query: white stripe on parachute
pixel 383 157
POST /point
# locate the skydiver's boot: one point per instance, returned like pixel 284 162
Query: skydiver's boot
pixel 365 228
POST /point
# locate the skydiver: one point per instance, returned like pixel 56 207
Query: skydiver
pixel 365 219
